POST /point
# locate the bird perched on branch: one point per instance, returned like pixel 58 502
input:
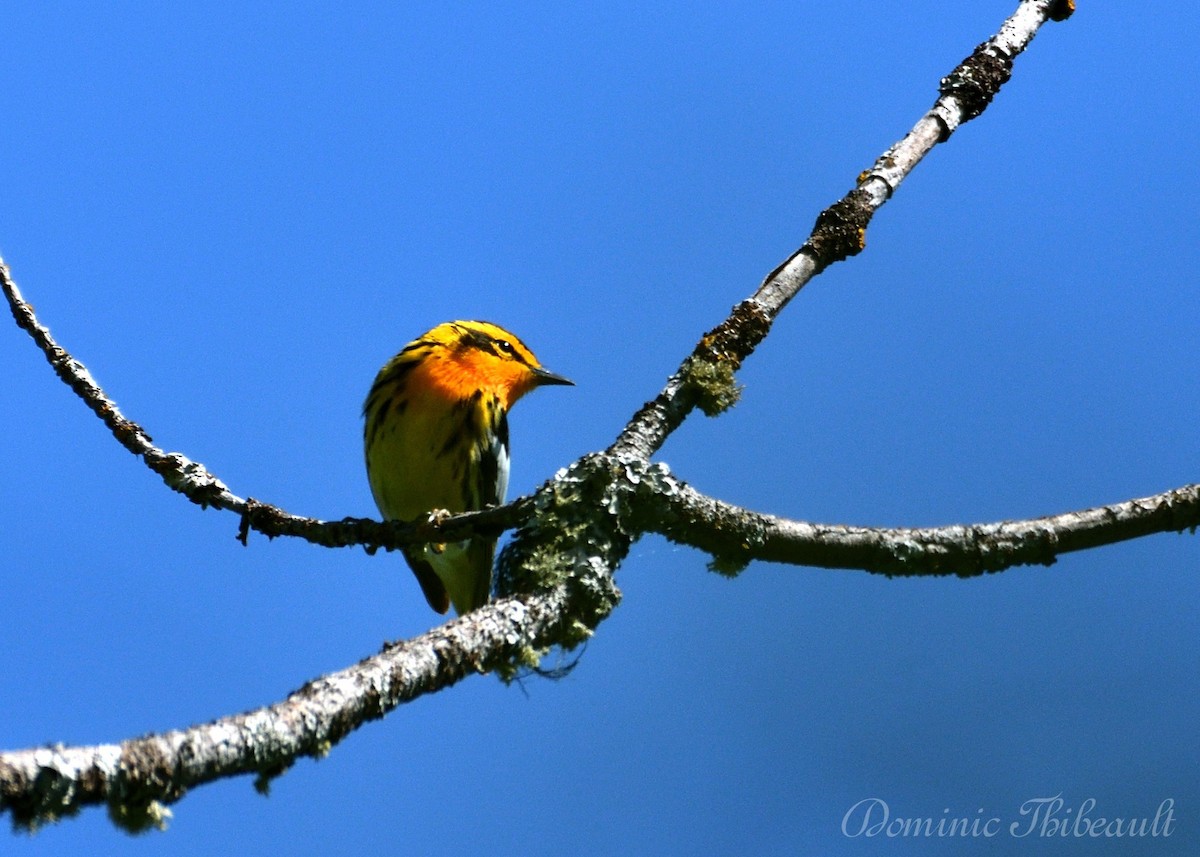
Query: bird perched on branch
pixel 436 437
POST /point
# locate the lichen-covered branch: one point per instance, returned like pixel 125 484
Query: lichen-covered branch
pixel 556 577
pixel 560 571
pixel 840 232
pixel 137 778
pixel 734 536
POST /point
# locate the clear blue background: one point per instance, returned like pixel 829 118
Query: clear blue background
pixel 233 215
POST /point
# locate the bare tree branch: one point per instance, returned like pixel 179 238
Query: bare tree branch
pixel 735 536
pixel 202 487
pixel 706 377
pixel 136 777
pixel 556 575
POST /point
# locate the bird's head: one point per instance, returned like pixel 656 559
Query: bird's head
pixel 464 356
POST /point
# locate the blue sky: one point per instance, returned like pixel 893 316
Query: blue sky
pixel 234 215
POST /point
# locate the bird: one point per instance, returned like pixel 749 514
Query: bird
pixel 435 437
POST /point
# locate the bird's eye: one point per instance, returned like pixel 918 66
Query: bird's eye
pixel 504 345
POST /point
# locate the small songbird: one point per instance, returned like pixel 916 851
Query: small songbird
pixel 436 437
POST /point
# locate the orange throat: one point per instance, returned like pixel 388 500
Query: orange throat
pixel 458 375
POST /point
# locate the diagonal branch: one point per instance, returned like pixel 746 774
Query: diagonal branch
pixel 136 777
pixel 706 377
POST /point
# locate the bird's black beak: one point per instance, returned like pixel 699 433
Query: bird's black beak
pixel 546 377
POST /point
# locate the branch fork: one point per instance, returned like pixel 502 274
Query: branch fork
pixel 556 576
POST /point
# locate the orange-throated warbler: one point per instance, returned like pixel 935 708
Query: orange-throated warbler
pixel 436 437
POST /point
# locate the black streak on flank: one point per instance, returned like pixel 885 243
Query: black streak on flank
pixel 375 419
pixel 489 477
pixel 501 430
pixel 454 439
pixel 489 453
pixel 376 412
pixel 465 418
pixel 381 414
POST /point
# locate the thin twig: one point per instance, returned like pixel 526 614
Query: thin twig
pixel 202 487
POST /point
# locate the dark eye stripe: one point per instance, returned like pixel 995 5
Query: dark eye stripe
pixel 477 339
pixel 474 339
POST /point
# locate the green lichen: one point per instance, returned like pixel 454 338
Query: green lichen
pixel 570 546
pixel 728 566
pixel 714 384
pixel 526 660
pixel 139 818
